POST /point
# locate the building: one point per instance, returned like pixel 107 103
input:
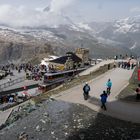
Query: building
pixel 83 53
pixel 70 61
pixel 46 61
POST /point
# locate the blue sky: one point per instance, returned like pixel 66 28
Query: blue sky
pixel 77 10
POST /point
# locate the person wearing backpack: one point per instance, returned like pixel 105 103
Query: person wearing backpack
pixel 103 99
pixel 86 90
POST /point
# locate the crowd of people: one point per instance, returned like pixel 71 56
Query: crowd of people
pixel 8 98
pixel 126 65
pixel 34 72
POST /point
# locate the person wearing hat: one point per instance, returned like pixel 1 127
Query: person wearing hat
pixel 86 90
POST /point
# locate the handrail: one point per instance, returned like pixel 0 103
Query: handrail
pixel 10 83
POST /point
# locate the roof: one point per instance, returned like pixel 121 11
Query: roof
pixel 63 59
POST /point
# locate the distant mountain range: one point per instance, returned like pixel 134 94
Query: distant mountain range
pixel 124 33
pixel 103 39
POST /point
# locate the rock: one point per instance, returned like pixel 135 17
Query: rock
pixel 66 134
pixel 74 126
pixel 66 126
pixel 46 114
pixel 82 136
pixel 61 111
pixel 80 126
pixel 43 121
pixel 43 129
pixel 37 128
pixel 23 136
pixel 52 132
pixel 51 99
pixel 79 120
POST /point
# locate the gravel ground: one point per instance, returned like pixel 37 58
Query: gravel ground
pixel 55 120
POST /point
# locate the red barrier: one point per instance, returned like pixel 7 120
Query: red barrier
pixel 139 74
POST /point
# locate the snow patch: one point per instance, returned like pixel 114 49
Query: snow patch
pixel 123 27
pixel 107 41
pixel 84 26
pixel 134 46
pixel 73 27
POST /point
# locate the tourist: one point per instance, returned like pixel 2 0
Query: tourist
pixel 86 90
pixel 138 92
pixel 128 65
pixel 109 85
pixel 132 66
pixel 103 100
pixel 11 99
pixel 108 66
pixel 119 64
pixel 114 65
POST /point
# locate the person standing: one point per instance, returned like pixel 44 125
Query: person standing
pixel 108 66
pixel 103 100
pixel 138 92
pixel 86 90
pixel 109 85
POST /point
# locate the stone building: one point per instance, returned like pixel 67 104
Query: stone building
pixel 68 62
pixel 83 53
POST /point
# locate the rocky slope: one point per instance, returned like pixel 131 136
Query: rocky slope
pixel 26 43
pixel 57 120
pixel 17 45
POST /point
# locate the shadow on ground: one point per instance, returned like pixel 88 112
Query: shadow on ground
pixel 104 127
pixel 130 98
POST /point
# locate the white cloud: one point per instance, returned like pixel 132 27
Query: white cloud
pixel 23 16
pixel 58 5
pixel 19 16
pixel 135 9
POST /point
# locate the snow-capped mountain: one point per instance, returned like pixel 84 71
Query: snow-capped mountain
pixel 128 25
pixel 59 34
pixel 124 33
pixel 26 43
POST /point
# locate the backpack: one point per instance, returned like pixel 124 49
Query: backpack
pixel 87 88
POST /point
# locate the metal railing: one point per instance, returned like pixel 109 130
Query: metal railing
pixel 11 83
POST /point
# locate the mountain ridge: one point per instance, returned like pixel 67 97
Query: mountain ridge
pixel 103 39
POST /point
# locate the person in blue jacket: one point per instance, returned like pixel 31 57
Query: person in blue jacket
pixel 103 100
pixel 109 85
